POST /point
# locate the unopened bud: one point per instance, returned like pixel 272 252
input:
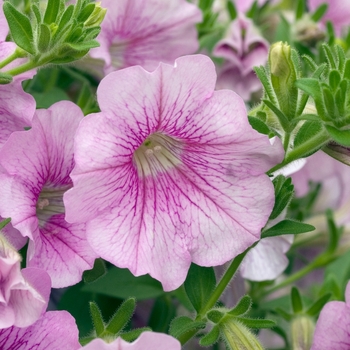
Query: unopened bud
pixel 279 58
pixel 302 330
pixel 238 336
pixel 97 16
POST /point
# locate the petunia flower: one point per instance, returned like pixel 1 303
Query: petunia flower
pixel 333 325
pixel 24 294
pixel 243 48
pixel 170 172
pixel 334 177
pixel 146 341
pixel 55 330
pixel 146 32
pixel 37 165
pixel 338 12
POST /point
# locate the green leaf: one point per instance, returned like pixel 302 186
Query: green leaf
pixel 334 232
pixel 231 9
pixel 319 13
pixel 258 125
pixel 242 307
pixel 205 5
pixel 256 323
pixel 334 79
pixel 86 12
pixel 262 75
pixel 329 103
pixel 3 223
pixel 184 324
pixel 44 38
pixel 297 303
pixel 280 115
pixel 215 316
pixel 199 284
pixel 52 9
pixel 121 317
pixel 20 27
pixel 308 130
pixel 96 272
pixel 97 319
pixel 331 286
pixel 284 192
pixel 134 334
pixel 315 308
pixel 163 312
pixel 210 338
pixel 37 14
pixel 300 9
pixel 121 283
pixel 339 136
pixel 286 227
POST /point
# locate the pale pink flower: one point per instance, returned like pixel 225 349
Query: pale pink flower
pixel 170 171
pixel 23 294
pixel 146 341
pixel 55 330
pixel 146 32
pixel 37 165
pixel 243 48
pixel 334 177
pixel 333 325
pixel 338 12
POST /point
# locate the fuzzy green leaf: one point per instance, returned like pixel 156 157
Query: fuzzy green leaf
pixel 97 318
pixel 339 136
pixel 210 338
pixel 286 227
pixel 242 307
pixel 297 303
pixel 51 13
pixel 184 324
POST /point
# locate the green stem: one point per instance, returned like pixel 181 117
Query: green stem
pixel 10 59
pixel 303 150
pixel 219 289
pixel 25 67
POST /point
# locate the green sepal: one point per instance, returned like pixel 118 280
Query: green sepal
pixel 317 306
pixel 199 284
pixel 334 79
pixel 183 324
pixel 37 13
pixel 256 323
pixel 20 27
pixel 339 136
pixel 122 316
pixel 258 125
pixel 211 337
pixel 309 129
pixel 52 10
pixel 215 316
pixel 263 77
pixel 5 78
pixel 134 334
pixel 300 9
pixel 97 319
pixel 4 222
pixel 242 307
pixel 86 12
pixel 334 232
pixel 287 227
pixel 297 303
pixel 44 38
pixel 66 17
pixel 98 271
pixel 319 13
pixel 284 192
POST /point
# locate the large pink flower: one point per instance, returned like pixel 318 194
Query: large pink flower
pixel 37 164
pixel 170 171
pixel 55 330
pixel 146 32
pixel 146 341
pixel 243 49
pixel 338 12
pixel 23 294
pixel 333 326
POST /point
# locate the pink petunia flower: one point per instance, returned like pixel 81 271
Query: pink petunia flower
pixel 37 164
pixel 55 330
pixel 333 325
pixel 338 12
pixel 170 172
pixel 23 294
pixel 243 48
pixel 146 341
pixel 146 32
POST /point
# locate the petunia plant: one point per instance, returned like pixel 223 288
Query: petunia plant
pixel 174 174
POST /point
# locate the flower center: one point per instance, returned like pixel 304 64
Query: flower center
pixel 158 153
pixel 50 202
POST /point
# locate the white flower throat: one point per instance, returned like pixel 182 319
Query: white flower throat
pixel 158 153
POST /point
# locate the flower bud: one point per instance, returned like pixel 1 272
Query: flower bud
pixel 97 16
pixel 278 59
pixel 302 331
pixel 238 336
